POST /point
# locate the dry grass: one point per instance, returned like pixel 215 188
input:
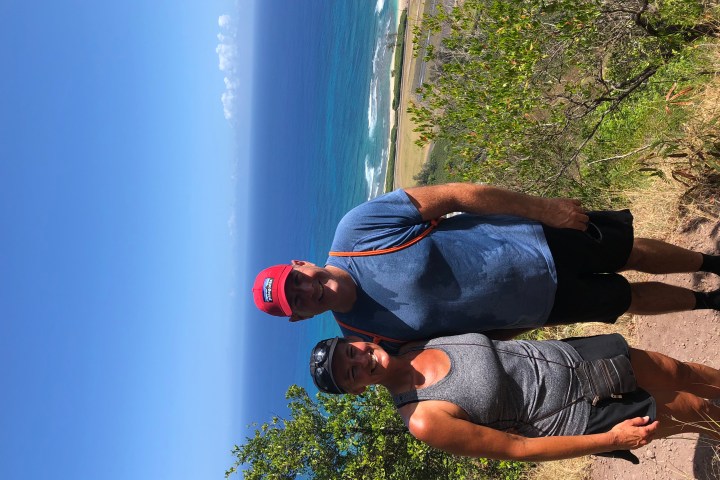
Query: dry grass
pixel 709 438
pixel 693 161
pixel 572 468
pixel 661 210
pixel 655 208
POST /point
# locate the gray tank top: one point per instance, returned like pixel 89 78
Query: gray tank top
pixel 525 386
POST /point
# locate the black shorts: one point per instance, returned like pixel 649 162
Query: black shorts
pixel 608 413
pixel 588 289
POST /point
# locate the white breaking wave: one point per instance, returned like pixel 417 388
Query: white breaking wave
pixel 373 98
pixel 374 178
pixel 380 65
pixel 375 174
pixel 369 176
pixel 227 63
pixel 372 107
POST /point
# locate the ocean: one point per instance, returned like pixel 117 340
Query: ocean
pixel 320 134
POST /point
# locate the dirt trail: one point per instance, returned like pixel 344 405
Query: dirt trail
pixel 691 336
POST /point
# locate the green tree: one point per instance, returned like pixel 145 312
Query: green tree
pixel 346 436
pixel 520 90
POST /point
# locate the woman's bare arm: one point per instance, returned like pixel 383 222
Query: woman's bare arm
pixel 437 424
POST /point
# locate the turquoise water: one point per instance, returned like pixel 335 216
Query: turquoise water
pixel 320 143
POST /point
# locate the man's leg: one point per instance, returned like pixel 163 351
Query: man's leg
pixel 652 298
pixel 577 256
pixel 603 298
pixel 589 298
pixel 655 256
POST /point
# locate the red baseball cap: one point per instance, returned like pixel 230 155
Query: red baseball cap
pixel 269 290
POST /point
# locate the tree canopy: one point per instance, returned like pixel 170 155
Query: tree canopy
pixel 347 436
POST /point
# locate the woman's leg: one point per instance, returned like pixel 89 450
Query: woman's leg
pixel 681 412
pixel 656 373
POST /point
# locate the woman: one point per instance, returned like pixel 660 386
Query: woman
pixel 528 400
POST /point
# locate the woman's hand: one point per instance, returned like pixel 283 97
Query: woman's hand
pixel 633 433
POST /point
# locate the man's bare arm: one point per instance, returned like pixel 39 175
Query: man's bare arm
pixel 438 200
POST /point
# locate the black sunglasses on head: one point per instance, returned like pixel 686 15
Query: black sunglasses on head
pixel 321 365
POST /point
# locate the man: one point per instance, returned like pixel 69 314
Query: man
pixel 512 262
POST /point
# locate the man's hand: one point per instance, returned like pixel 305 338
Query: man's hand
pixel 564 213
pixel 633 433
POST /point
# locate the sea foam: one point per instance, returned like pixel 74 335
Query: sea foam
pixel 373 97
pixel 379 6
pixel 375 164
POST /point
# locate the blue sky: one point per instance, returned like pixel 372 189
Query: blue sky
pixel 154 155
pixel 121 172
pixel 312 144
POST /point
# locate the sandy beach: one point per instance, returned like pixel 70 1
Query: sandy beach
pixel 400 6
pixel 409 157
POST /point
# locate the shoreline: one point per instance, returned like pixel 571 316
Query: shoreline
pixel 408 158
pixel 392 147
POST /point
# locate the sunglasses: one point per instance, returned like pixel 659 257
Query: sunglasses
pixel 321 365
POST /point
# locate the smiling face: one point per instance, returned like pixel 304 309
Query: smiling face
pixel 357 364
pixel 310 290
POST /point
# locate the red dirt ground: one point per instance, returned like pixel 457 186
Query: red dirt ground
pixel 690 336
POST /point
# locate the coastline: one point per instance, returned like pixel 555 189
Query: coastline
pixel 392 147
pixel 408 157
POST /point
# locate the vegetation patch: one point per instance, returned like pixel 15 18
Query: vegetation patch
pixel 348 436
pixel 559 98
